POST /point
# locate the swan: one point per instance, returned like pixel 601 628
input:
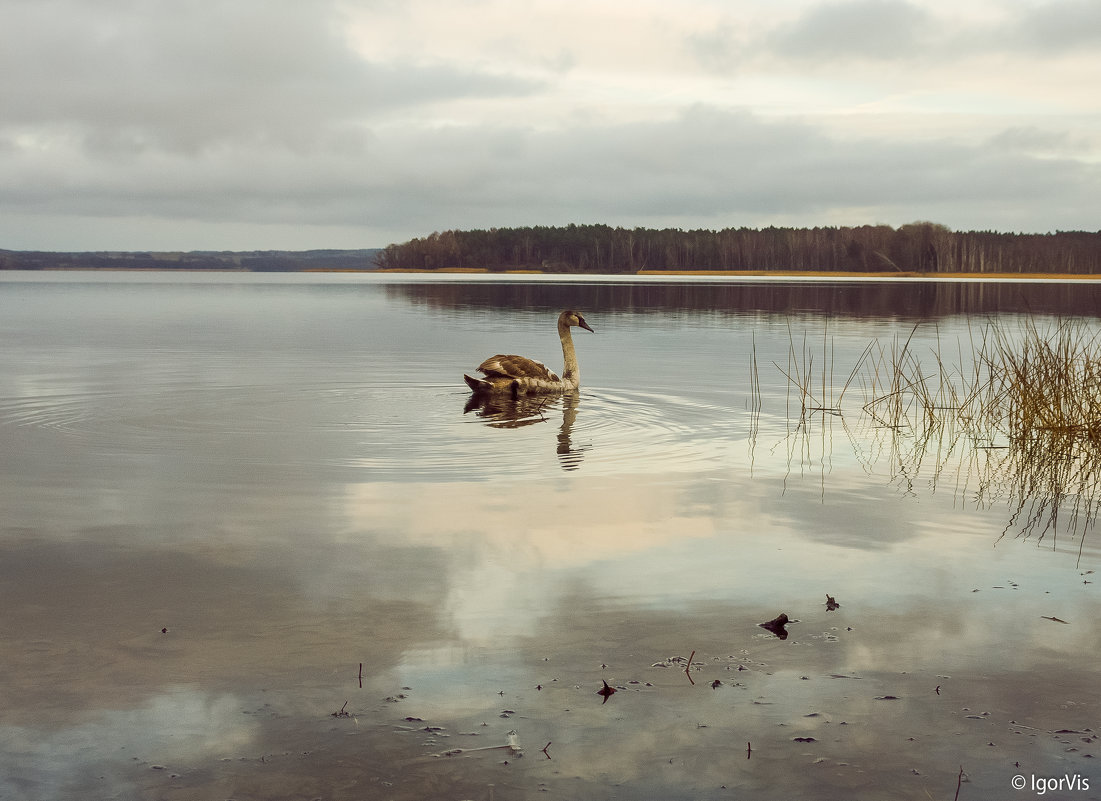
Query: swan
pixel 518 375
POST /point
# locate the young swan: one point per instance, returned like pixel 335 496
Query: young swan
pixel 518 375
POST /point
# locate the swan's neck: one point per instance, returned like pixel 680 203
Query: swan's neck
pixel 570 373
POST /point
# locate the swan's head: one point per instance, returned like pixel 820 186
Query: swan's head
pixel 570 317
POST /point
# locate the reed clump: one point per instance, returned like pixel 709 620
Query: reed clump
pixel 1048 384
pixel 1047 389
pixel 1016 415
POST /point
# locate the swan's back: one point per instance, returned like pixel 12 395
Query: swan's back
pixel 512 367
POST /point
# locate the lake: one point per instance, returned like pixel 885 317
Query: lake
pixel 255 545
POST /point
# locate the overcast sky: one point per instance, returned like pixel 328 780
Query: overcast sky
pixel 245 124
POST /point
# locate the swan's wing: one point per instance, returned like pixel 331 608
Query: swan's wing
pixel 509 366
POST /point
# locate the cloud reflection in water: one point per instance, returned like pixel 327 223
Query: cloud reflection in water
pixel 173 730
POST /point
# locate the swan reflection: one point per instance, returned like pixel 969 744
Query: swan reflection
pixel 505 411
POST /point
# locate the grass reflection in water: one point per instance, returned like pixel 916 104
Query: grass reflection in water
pixel 1014 418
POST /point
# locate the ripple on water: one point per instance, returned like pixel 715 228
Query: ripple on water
pixel 395 432
pixel 651 431
pixel 245 424
pixel 164 411
pixel 68 413
pixel 598 431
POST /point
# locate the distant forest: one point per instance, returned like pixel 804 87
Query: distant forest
pixel 248 261
pixel 920 247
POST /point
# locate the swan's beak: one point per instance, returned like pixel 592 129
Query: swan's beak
pixel 581 322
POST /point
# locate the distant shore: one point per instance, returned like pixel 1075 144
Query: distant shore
pixel 763 274
pixel 819 274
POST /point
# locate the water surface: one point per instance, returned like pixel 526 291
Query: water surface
pixel 235 505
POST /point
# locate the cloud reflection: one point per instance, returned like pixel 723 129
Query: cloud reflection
pixel 171 730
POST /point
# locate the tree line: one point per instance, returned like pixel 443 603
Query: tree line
pixel 915 247
pixel 254 261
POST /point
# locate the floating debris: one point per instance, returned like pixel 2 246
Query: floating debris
pixel 512 746
pixel 607 691
pixel 342 713
pixel 776 626
pixel 831 603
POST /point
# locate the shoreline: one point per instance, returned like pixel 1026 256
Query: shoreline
pixel 755 274
pixel 816 274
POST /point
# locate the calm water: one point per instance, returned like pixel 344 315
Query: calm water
pixel 252 547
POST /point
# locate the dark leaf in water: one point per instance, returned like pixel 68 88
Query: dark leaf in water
pixel 776 626
pixel 606 691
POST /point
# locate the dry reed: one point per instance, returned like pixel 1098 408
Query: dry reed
pixel 1017 418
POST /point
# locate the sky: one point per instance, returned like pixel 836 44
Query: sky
pixel 297 124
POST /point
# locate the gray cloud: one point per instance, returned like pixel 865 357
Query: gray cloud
pixel 879 29
pixel 130 76
pixel 728 168
pixel 841 31
pixel 1057 27
pixel 1032 139
pixel 265 116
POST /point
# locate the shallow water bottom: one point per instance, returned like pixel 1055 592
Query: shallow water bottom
pixel 244 694
pixel 770 720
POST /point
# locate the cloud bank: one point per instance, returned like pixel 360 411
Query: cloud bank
pixel 354 123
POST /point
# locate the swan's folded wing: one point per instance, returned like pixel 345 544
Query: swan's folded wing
pixel 509 366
